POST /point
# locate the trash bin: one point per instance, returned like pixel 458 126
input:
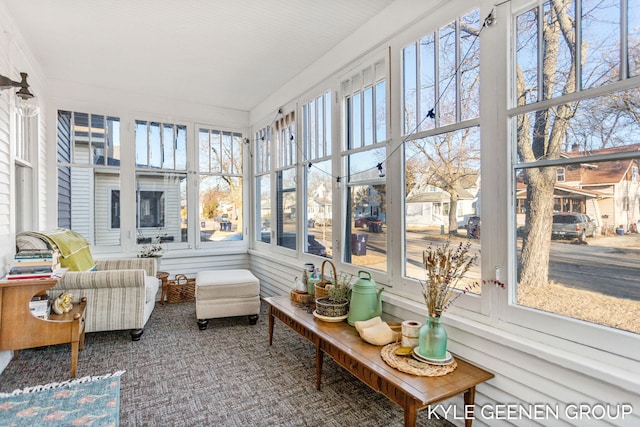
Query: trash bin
pixel 359 244
pixel 375 226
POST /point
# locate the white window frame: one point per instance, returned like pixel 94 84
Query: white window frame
pixel 565 333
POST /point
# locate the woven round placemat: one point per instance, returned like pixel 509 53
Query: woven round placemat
pixel 412 366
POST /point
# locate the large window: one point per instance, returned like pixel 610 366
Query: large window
pixel 364 155
pixel 220 186
pixel 442 167
pixel 161 181
pixel 592 134
pixel 88 149
pixel 316 128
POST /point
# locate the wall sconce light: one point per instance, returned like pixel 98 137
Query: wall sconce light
pixel 25 104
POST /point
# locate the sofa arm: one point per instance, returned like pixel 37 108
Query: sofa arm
pixel 102 279
pixel 147 264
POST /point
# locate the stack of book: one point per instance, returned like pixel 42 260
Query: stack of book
pixel 34 264
pixel 40 306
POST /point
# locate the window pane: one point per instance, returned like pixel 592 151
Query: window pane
pixel 598 204
pixel 363 165
pixel 578 129
pixel 470 66
pixel 263 153
pixel 161 210
pixel 81 152
pixel 633 39
pixel 204 150
pixel 220 208
pixel 168 148
pixel 442 179
pixel 155 146
pixel 560 80
pixel 263 189
pixel 327 124
pixel 98 139
pixel 113 141
pixel 427 81
pixel 368 116
pixel 319 208
pixel 601 33
pixel 447 74
pixel 286 208
pixel 381 111
pixel 82 208
pixel 356 121
pixel 237 143
pixel 181 148
pixel 366 244
pixel 320 126
pixel 141 144
pixel 527 57
pixel 410 112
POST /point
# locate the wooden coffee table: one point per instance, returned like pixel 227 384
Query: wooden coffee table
pixel 344 345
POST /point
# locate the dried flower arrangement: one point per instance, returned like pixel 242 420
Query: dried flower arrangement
pixel 151 250
pixel 446 267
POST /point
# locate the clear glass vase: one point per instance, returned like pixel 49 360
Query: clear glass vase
pixel 432 340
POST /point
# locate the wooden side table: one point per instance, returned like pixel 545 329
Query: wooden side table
pixel 164 276
pixel 19 329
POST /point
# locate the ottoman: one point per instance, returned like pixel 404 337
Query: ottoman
pixel 226 293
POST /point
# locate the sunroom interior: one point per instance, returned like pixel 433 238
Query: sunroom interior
pixel 269 134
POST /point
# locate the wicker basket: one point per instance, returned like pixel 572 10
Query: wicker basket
pixel 181 289
pixel 321 290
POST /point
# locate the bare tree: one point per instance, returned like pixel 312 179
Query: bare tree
pixel 450 163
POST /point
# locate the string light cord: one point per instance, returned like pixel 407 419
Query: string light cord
pixel 488 21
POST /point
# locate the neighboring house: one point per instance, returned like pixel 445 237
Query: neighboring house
pixel 428 205
pixel 320 205
pixel 156 197
pixel 609 192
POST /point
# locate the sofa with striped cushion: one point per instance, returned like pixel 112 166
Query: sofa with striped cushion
pixel 121 293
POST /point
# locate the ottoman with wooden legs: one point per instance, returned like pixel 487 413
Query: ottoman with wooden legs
pixel 226 293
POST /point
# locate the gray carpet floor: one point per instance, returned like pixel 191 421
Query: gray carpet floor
pixel 227 375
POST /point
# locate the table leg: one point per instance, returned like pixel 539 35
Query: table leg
pixel 270 325
pixel 410 413
pixel 319 360
pixel 469 399
pixel 74 358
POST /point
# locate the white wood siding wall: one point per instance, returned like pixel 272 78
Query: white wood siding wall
pixel 15 58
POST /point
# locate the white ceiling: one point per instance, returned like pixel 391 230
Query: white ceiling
pixel 218 52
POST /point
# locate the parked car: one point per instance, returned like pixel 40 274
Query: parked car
pixel 473 227
pixel 363 221
pixel 573 225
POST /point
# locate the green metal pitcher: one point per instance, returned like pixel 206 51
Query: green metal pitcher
pixel 366 301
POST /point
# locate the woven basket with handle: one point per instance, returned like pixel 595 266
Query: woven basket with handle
pixel 321 289
pixel 181 289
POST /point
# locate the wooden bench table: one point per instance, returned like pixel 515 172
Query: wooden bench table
pixel 344 345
